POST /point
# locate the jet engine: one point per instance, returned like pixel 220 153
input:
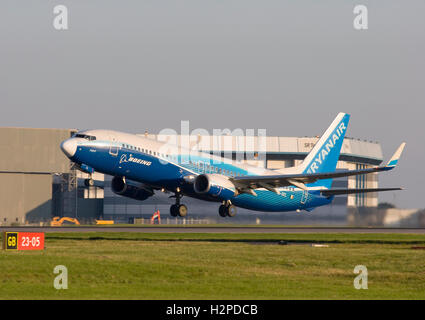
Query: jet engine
pixel 135 191
pixel 215 185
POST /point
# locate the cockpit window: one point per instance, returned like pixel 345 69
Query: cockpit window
pixel 85 136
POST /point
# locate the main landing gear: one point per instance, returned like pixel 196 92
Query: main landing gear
pixel 178 209
pixel 227 209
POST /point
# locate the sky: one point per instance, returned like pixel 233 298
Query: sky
pixel 285 66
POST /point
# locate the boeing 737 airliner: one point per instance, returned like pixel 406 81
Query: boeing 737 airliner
pixel 140 166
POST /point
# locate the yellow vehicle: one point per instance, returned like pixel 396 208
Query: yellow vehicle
pixel 58 221
pixel 104 222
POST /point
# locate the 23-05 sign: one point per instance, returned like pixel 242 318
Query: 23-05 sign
pixel 23 240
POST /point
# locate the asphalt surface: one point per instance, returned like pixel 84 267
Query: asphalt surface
pixel 206 229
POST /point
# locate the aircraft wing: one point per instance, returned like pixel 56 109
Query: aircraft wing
pixel 271 182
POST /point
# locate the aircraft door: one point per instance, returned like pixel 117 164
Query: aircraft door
pixel 113 149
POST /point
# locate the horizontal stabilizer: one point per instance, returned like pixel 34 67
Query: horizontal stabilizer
pixel 336 192
pixel 300 180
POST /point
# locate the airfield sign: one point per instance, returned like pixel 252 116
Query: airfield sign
pixel 23 241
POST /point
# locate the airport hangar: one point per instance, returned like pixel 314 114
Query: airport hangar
pixel 38 182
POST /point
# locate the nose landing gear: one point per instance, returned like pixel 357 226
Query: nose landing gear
pixel 89 182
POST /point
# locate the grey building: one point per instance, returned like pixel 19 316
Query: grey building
pixel 37 181
pixel 29 158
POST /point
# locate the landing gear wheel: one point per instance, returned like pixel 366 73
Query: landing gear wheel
pixel 178 209
pixel 231 210
pixel 182 210
pixel 89 182
pixel 174 210
pixel 222 211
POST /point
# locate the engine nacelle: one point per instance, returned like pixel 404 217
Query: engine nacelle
pixel 123 188
pixel 215 185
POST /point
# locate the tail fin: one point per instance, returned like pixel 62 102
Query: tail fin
pixel 325 154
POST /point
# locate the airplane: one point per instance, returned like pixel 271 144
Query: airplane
pixel 140 166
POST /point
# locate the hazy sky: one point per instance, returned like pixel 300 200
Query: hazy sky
pixel 285 66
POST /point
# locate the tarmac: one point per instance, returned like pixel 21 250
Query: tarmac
pixel 215 229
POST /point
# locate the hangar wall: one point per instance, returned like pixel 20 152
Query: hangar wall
pixel 28 159
pixel 29 150
pixel 25 197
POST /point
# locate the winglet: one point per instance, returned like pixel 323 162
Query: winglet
pixel 394 159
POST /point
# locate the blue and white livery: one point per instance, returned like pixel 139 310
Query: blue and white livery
pixel 141 166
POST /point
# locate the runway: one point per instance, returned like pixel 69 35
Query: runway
pixel 215 229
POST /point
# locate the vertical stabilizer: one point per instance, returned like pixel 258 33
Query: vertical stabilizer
pixel 325 154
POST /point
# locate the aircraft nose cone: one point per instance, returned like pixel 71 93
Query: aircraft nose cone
pixel 69 147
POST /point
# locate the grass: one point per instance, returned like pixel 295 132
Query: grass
pixel 217 266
